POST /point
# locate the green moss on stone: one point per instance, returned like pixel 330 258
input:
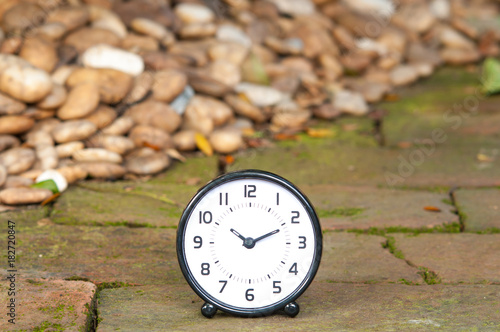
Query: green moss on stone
pixel 390 244
pixel 444 228
pixel 447 201
pixel 430 277
pixel 48 326
pixel 341 211
pixel 112 284
pixel 492 230
pixel 76 278
pixel 407 282
pixel 34 282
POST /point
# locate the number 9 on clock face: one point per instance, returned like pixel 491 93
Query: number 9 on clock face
pixel 249 243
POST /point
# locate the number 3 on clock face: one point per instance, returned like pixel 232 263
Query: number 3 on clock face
pixel 249 243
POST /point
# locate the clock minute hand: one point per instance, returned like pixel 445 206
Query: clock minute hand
pixel 266 235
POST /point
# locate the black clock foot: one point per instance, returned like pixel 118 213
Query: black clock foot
pixel 292 309
pixel 208 310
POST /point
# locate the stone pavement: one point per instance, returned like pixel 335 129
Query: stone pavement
pixel 411 230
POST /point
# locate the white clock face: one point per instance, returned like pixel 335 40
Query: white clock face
pixel 250 244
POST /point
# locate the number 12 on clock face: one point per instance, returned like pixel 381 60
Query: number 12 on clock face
pixel 249 243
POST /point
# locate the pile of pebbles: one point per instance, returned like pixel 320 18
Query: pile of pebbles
pixel 117 88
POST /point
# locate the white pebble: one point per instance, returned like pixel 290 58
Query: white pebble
pixel 105 56
pixel 58 178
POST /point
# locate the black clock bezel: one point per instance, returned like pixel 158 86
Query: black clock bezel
pixel 238 175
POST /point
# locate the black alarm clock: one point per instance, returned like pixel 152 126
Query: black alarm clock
pixel 249 243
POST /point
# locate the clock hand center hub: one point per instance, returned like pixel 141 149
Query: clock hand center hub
pixel 249 243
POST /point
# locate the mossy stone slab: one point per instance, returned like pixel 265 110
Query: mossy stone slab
pixel 349 257
pixel 332 162
pixel 324 307
pixel 99 254
pixel 81 206
pixel 48 304
pixel 441 130
pixel 480 209
pixel 362 207
pixel 455 258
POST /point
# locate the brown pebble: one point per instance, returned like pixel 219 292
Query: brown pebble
pixel 18 181
pixel 55 98
pixel 156 114
pixel 150 164
pixel 3 174
pixel 71 17
pixel 17 160
pixel 97 155
pixel 73 130
pixel 40 53
pixel 103 170
pixel 113 143
pixel 15 124
pixel 73 173
pixel 85 38
pixel 120 126
pixel 168 84
pixel 19 196
pixel 226 140
pixel 8 141
pixel 102 117
pixel 184 140
pixel 10 106
pixel 113 84
pixel 82 100
pixel 150 136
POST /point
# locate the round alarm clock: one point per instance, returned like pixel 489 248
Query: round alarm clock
pixel 249 243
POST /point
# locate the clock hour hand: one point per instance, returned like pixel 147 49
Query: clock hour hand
pixel 266 235
pixel 237 234
pixel 248 242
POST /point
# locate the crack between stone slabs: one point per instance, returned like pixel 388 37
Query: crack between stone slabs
pixel 462 218
pixel 93 318
pixel 445 228
pixel 91 323
pixel 378 133
pixel 49 208
pixel 127 224
pixel 429 277
pixel 433 189
pixel 436 188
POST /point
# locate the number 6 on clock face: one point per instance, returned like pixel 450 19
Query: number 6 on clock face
pixel 249 243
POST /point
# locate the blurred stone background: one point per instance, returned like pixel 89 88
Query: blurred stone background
pixel 113 89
